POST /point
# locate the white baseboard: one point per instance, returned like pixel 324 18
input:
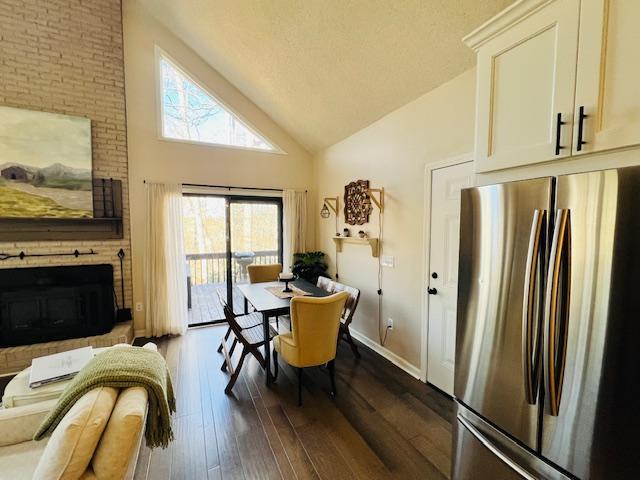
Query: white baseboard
pixel 388 354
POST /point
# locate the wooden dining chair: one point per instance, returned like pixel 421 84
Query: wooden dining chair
pixel 347 315
pixel 251 339
pixel 349 309
pixel 325 284
pixel 244 321
pixel 315 322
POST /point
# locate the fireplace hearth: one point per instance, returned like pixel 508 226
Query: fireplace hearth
pixel 55 303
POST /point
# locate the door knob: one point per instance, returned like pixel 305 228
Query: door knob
pixel 432 291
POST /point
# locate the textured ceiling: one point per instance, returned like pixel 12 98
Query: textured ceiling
pixel 324 69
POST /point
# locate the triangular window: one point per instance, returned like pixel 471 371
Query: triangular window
pixel 192 114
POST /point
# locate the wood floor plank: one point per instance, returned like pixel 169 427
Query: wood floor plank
pixel 441 460
pixel 221 406
pixel 278 449
pixel 395 451
pixel 280 431
pixel 318 409
pixel 296 453
pixel 189 458
pixel 215 473
pixel 208 424
pixel 326 458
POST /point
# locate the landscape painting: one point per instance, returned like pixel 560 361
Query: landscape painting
pixel 45 165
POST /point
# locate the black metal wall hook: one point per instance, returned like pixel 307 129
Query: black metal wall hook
pixel 22 255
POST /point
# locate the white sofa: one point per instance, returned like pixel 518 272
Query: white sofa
pixel 99 438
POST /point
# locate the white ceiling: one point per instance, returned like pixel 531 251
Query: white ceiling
pixel 324 69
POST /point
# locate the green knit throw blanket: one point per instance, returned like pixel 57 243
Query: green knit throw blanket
pixel 123 367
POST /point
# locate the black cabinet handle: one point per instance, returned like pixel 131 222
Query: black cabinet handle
pixel 581 117
pixel 432 291
pixel 559 124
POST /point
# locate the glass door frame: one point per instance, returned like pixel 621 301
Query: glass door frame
pixel 230 199
pixel 243 198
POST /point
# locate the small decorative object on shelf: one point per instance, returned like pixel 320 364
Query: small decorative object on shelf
pixel 346 232
pixel 362 234
pixel 337 234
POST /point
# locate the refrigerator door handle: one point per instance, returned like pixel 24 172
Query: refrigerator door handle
pixel 493 449
pixel 557 301
pixel 530 338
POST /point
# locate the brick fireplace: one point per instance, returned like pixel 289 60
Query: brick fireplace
pixel 66 56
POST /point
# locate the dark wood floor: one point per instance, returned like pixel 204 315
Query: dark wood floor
pixel 383 424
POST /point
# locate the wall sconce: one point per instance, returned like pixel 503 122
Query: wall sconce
pixel 379 200
pixel 329 203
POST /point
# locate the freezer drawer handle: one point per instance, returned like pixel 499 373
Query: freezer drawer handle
pixel 558 297
pixel 531 306
pixel 493 449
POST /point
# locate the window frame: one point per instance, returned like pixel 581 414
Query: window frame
pixel 160 54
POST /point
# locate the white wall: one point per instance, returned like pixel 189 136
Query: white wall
pixel 392 153
pixel 158 160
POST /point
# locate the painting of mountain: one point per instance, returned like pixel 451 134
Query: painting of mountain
pixel 45 165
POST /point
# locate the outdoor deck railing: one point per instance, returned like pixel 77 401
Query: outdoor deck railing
pixel 205 268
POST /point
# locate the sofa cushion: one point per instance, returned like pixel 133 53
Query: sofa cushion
pixel 121 437
pixel 74 440
pixel 20 424
pixel 20 460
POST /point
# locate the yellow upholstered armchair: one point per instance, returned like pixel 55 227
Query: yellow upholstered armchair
pixel 314 335
pixel 264 273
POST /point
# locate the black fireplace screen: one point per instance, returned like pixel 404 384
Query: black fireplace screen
pixel 55 303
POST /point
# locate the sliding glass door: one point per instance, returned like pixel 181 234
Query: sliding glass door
pixel 223 236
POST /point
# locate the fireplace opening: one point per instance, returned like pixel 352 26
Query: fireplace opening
pixel 44 304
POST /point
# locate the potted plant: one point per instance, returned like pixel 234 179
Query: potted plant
pixel 310 266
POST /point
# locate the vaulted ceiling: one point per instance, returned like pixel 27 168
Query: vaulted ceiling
pixel 324 69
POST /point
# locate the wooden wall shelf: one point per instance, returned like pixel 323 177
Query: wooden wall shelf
pixel 374 243
pixel 106 223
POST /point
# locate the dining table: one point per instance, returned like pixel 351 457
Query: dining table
pixel 258 296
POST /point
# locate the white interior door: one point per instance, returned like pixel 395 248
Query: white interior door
pixel 446 184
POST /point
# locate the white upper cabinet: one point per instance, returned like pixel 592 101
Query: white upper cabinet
pixel 545 64
pixel 608 81
pixel 526 78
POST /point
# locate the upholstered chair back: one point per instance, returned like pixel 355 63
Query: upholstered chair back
pixel 264 273
pixel 314 326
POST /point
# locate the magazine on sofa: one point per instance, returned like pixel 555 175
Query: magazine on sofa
pixel 59 366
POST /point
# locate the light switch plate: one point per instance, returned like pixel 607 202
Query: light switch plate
pixel 388 261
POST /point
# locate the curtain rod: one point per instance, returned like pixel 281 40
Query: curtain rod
pixel 229 187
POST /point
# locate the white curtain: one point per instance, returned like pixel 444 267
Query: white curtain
pixel 294 225
pixel 164 262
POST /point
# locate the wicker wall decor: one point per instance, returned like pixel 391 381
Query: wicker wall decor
pixel 357 204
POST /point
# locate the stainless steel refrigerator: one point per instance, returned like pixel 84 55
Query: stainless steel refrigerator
pixel 547 381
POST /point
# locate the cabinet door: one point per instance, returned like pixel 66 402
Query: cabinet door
pixel 608 79
pixel 526 78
